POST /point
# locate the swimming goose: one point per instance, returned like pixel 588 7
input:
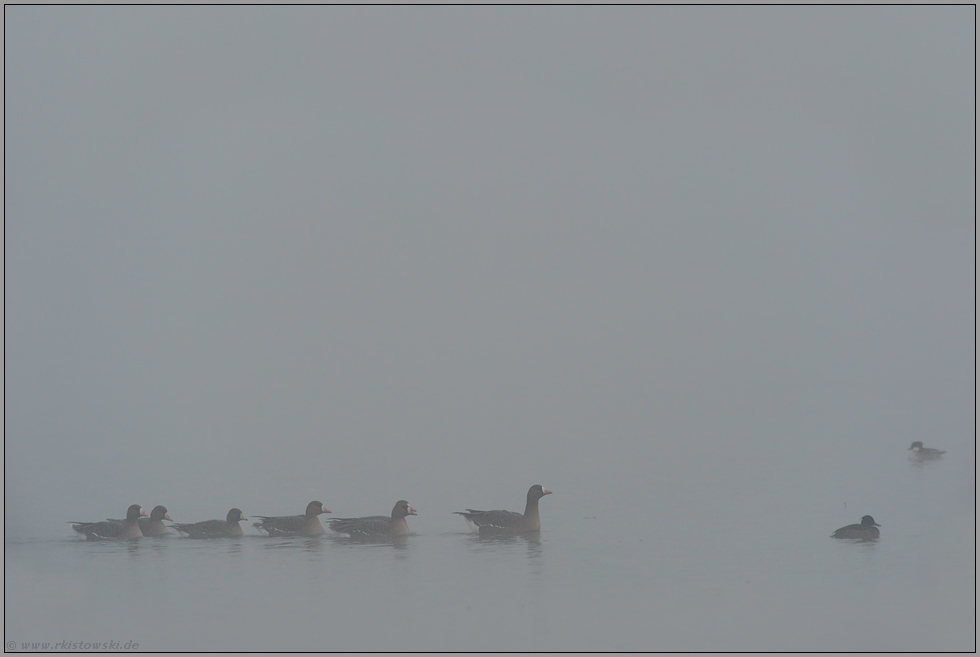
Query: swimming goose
pixel 109 530
pixel 305 525
pixel 215 528
pixel 153 526
pixel 376 526
pixel 492 522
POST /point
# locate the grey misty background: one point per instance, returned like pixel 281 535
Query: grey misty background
pixel 259 256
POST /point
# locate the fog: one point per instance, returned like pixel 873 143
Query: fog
pixel 259 256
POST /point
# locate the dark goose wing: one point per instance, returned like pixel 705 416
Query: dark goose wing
pixel 496 519
pixel 280 525
pixel 369 526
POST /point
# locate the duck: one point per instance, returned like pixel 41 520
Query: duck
pixel 867 530
pixel 214 528
pixel 304 525
pixel 509 522
pixel 109 530
pixel 920 453
pixel 376 526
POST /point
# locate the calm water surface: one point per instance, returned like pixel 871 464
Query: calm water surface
pixel 649 563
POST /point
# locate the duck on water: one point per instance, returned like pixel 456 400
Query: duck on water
pixel 920 453
pixel 867 530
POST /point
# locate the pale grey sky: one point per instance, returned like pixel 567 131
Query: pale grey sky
pixel 257 256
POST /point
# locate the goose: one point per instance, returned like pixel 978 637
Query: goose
pixel 215 528
pixel 376 526
pixel 304 525
pixel 153 526
pixel 109 530
pixel 491 522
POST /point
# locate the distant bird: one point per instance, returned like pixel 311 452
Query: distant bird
pixel 920 453
pixel 508 522
pixel 867 530
pixel 153 526
pixel 109 530
pixel 305 525
pixel 215 528
pixel 376 526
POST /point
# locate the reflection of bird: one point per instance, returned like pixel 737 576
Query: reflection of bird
pixel 215 528
pixel 153 526
pixel 920 453
pixel 376 526
pixel 867 530
pixel 305 525
pixel 491 522
pixel 109 530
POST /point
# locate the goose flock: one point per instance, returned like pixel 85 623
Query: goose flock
pixel 489 523
pixel 137 524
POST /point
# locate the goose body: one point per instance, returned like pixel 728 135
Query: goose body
pixel 228 527
pixel 509 522
pixel 110 530
pixel 376 526
pixel 304 525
